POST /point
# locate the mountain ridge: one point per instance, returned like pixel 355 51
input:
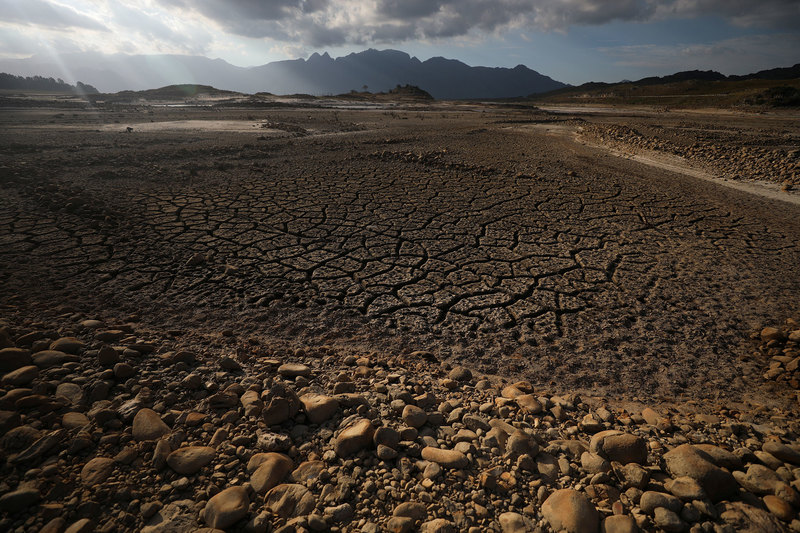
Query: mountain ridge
pixel 320 74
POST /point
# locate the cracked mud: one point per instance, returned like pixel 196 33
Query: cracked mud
pixel 447 230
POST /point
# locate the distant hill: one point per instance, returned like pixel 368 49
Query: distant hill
pixel 172 92
pixel 372 70
pixel 695 88
pixel 38 83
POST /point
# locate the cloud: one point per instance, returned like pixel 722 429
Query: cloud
pixel 46 14
pixel 339 22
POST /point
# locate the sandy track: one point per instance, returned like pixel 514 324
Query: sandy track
pixel 520 253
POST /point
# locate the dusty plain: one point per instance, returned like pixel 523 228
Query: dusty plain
pixel 628 254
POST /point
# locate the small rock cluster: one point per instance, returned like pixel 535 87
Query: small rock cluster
pixel 743 163
pixel 106 428
pixel 781 346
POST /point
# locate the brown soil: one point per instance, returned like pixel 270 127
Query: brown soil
pixel 449 229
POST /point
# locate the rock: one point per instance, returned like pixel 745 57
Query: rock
pixel 67 345
pixel 230 364
pixel 340 514
pixel 14 358
pixel 779 508
pixel 529 403
pixel 147 425
pixel 84 525
pixel 460 373
pixel 782 452
pixel 272 470
pixel 180 515
pixel 251 403
pixel 97 470
pixel 744 518
pixel 547 466
pixel 619 524
pixel 72 392
pixel 21 376
pixel 569 510
pixel 593 463
pixel 307 471
pixel 445 458
pixel 160 454
pixel 772 334
pixel 387 437
pixel 720 457
pixel 56 525
pixel 51 358
pixel 414 510
pixel 190 459
pixel 651 499
pixel 400 524
pixel 107 356
pixel 520 443
pixel 355 437
pixel 226 508
pixel 290 500
pixel 293 370
pixel 385 453
pixel 685 460
pixel 517 389
pixel 513 523
pixel 319 407
pixel 74 420
pixel 9 420
pixel 619 447
pixel 273 442
pixel 123 371
pixel 413 416
pixel 758 479
pixel 280 404
pixel 631 475
pixel 438 525
pixel 668 520
pixel 685 488
pixel 19 500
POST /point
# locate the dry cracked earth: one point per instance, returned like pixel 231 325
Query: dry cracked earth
pixel 462 231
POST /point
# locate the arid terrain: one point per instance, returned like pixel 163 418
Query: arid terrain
pixel 611 258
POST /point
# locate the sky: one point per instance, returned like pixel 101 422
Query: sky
pixel 573 41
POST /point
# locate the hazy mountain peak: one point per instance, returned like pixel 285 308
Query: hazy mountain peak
pixel 378 70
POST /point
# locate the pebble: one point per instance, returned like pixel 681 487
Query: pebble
pixel 226 508
pixel 147 425
pixel 21 376
pixel 685 460
pixel 409 451
pixel 445 458
pixel 319 408
pixel 97 470
pixel 571 511
pixel 414 417
pixel 292 370
pixel 190 459
pixel 271 470
pixel 290 500
pixel 354 438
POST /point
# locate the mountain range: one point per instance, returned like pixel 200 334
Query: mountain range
pixel 378 70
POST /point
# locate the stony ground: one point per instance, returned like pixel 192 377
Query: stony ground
pixel 768 152
pixel 114 428
pixel 385 320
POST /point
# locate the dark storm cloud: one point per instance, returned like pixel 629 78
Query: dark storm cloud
pixel 42 13
pixel 335 22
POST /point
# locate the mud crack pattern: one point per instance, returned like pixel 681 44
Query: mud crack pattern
pixel 518 252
